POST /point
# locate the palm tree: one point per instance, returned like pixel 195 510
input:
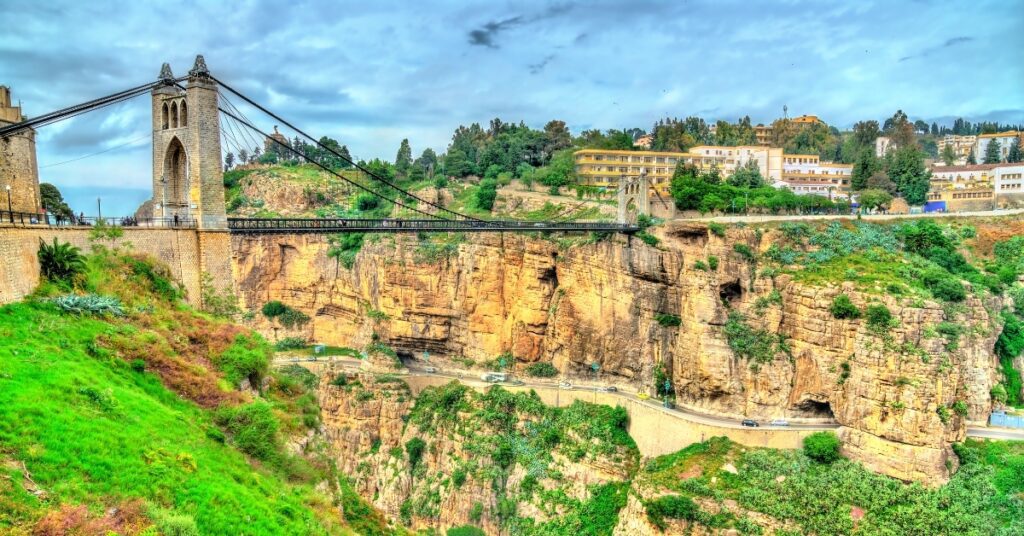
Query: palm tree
pixel 59 262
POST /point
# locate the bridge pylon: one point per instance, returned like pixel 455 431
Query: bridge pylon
pixel 187 171
pixel 634 197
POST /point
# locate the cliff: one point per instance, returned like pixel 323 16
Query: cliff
pixel 749 342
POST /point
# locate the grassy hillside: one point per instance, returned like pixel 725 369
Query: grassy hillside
pixel 131 420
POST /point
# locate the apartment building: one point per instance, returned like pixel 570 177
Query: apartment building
pixel 603 167
pixel 728 159
pixel 1004 139
pixel 1008 183
pixel 962 177
pixel 961 145
pixel 807 174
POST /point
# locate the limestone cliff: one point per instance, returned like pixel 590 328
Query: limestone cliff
pixel 601 303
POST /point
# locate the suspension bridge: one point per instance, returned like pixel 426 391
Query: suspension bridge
pixel 195 115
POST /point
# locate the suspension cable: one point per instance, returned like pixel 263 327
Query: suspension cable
pixel 325 168
pixel 339 155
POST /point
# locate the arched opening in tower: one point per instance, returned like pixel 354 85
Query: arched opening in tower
pixel 164 116
pixel 174 115
pixel 176 173
pixel 184 114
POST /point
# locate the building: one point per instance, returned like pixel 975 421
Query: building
pixel 276 143
pixel 602 168
pixel 763 134
pixel 1004 139
pixel 961 145
pixel 807 120
pixel 19 170
pixel 1008 183
pixel 807 174
pixel 728 159
pixel 883 144
pixel 962 177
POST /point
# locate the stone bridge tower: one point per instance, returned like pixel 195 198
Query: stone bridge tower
pixel 634 197
pixel 19 169
pixel 187 169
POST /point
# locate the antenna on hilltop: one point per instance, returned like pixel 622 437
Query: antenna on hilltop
pixel 785 111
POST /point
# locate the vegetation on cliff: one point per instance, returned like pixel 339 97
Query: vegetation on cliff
pixel 132 422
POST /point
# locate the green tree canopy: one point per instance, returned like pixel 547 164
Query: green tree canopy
pixel 403 160
pixel 53 201
pixel 992 155
pixel 906 168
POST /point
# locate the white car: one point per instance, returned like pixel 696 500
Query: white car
pixel 430 370
pixel 564 385
pixel 778 422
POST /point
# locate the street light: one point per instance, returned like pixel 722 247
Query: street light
pixel 10 211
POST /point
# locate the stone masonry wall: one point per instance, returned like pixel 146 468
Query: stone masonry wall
pixel 186 251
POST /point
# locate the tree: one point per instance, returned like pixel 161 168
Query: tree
pixel 921 127
pixel 971 159
pixel 865 133
pixel 992 155
pixel 948 156
pixel 426 163
pixel 403 161
pixel 1014 155
pixel 229 161
pixel 822 447
pixel 872 199
pixel 900 130
pixel 561 171
pixel 865 166
pixel 747 176
pixel 458 164
pixel 906 168
pixel 53 201
pixel 556 138
pixel 243 157
pixel 486 195
pixel 60 261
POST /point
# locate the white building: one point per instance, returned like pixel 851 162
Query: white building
pixel 962 177
pixel 961 146
pixel 807 174
pixel 1009 183
pixel 883 144
pixel 728 159
pixel 1004 139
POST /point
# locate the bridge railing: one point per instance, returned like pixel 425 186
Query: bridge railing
pixel 31 219
pixel 257 225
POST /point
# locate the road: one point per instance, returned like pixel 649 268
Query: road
pixel 867 217
pixel 681 413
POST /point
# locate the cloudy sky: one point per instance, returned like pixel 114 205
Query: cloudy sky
pixel 372 73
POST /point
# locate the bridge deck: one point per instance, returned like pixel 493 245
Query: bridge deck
pixel 352 225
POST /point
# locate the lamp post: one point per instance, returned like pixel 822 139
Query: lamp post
pixel 10 211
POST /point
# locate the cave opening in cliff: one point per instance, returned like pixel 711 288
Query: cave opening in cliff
pixel 816 409
pixel 730 292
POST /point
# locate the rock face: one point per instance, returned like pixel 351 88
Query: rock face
pixel 601 303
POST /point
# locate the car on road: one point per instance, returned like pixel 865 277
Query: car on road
pixel 564 385
pixel 778 422
pixel 494 377
pixel 667 403
pixel 516 382
pixel 430 370
pixel 643 396
pixel 750 422
pixel 608 389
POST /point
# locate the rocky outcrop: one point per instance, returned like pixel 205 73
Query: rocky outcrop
pixel 601 304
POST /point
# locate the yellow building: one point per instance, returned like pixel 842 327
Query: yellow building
pixel 603 167
pixel 807 120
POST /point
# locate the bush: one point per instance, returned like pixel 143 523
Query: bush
pixel 252 428
pixel 960 407
pixel 247 357
pixel 287 316
pixel 486 195
pixel 948 289
pixel 713 262
pixel 414 448
pixel 822 447
pixel 744 251
pixel 879 318
pixel 290 343
pixel 716 228
pixel 89 304
pixel 648 239
pixel 170 523
pixel 843 308
pixel 700 265
pixel 366 202
pixel 670 507
pixel 668 320
pixel 340 380
pixel 273 309
pixel 459 477
pixel 541 370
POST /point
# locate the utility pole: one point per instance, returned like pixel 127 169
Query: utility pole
pixel 99 210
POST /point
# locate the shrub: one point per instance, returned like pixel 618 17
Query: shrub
pixel 274 309
pixel 138 365
pixel 252 428
pixel 948 289
pixel 960 407
pixel 541 370
pixel 648 238
pixel 340 380
pixel 756 345
pixel 822 447
pixel 744 251
pixel 170 523
pixel 943 412
pixel 487 194
pixel 879 318
pixel 700 265
pixel 466 530
pixel 287 316
pixel 414 448
pixel 247 357
pixel 716 228
pixel 89 304
pixel 843 308
pixel 366 201
pixel 459 477
pixel 670 507
pixel 290 343
pixel 713 262
pixel 668 320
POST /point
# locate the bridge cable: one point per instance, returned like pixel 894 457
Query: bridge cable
pixel 245 135
pixel 339 155
pixel 325 168
pixel 97 153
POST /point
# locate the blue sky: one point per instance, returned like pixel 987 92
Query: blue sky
pixel 370 74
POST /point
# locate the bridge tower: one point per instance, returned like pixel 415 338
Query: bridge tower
pixel 187 169
pixel 634 197
pixel 19 170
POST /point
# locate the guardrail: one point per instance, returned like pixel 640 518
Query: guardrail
pixel 31 219
pixel 357 225
pixel 1000 418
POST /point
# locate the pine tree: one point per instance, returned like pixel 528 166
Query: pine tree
pixel 344 152
pixel 992 151
pixel 948 156
pixel 403 161
pixel 1015 153
pixel 971 159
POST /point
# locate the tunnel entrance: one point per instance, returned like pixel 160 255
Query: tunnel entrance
pixel 730 292
pixel 815 409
